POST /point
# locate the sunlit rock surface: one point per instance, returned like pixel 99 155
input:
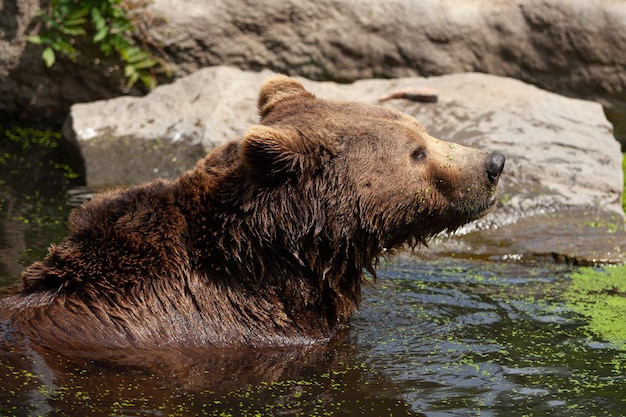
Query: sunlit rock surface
pixel 573 47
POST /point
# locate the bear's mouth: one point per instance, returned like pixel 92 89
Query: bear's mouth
pixel 493 200
pixel 481 210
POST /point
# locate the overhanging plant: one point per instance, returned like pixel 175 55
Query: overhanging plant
pixel 115 26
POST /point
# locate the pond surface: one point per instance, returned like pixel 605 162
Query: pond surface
pixel 452 338
pixel 445 337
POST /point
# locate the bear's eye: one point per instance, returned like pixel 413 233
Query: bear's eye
pixel 418 154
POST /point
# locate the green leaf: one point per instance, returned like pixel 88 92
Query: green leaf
pixel 106 49
pixel 36 39
pixel 100 34
pixel 134 54
pixel 48 56
pixel 121 26
pixel 98 21
pixel 148 81
pixel 118 13
pixel 80 13
pixel 80 21
pixel 119 43
pixel 65 48
pixel 73 31
pixel 132 79
pixel 146 63
pixel 130 70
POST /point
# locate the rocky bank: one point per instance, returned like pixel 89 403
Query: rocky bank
pixel 573 47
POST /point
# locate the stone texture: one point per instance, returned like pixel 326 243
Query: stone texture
pixel 568 45
pixel 562 160
pixel 572 235
pixel 129 140
pixel 574 47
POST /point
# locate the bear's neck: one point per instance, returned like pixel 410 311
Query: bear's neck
pixel 278 251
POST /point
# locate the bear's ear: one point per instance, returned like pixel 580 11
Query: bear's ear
pixel 277 89
pixel 271 152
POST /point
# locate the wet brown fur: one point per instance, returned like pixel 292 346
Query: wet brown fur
pixel 264 243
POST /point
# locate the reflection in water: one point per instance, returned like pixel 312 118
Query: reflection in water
pixel 445 339
pixel 487 339
pixel 322 381
pixel 436 338
pixel 36 169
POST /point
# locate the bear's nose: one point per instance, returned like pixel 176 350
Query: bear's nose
pixel 495 165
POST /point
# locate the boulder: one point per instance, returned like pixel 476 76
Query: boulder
pixel 129 140
pixel 563 163
pixel 574 47
pixel 571 46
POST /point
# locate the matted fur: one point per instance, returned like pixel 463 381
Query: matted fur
pixel 264 242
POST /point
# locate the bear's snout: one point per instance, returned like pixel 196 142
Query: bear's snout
pixel 495 165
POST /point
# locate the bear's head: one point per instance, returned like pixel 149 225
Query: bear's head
pixel 310 197
pixel 366 172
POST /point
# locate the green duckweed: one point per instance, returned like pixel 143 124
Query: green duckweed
pixel 600 296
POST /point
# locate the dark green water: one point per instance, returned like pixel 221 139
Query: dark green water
pixel 449 337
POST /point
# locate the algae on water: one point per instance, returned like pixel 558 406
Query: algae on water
pixel 600 296
pixel 37 167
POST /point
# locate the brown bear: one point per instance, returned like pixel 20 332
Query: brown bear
pixel 264 242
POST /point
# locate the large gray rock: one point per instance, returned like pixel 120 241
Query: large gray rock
pixel 561 155
pixel 569 45
pixel 574 47
pixel 129 140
